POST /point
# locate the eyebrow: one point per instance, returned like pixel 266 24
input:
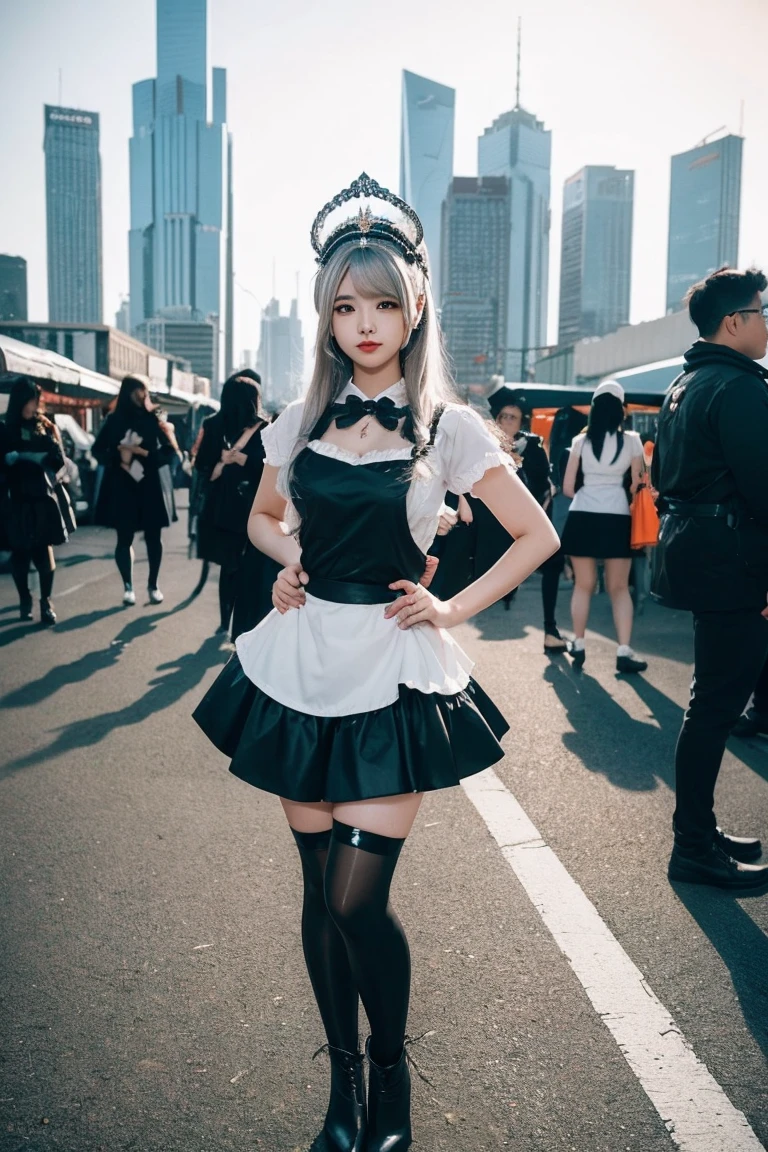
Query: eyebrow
pixel 343 298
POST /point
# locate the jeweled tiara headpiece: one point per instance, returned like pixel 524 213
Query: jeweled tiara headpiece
pixel 377 215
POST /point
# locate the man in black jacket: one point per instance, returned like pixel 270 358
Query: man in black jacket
pixel 709 467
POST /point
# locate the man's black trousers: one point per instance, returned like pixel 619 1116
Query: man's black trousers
pixel 730 649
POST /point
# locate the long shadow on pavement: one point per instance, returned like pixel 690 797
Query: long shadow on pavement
pixel 631 754
pixel 85 619
pixel 178 677
pixel 751 752
pixel 76 671
pixel 743 947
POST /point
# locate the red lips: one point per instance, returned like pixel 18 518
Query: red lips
pixel 368 346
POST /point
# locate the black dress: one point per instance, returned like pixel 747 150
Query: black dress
pixel 31 513
pixel 356 540
pixel 223 521
pixel 135 505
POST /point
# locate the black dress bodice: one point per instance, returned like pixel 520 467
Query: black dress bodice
pixel 354 522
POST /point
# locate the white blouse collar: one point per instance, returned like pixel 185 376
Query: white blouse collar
pixel 396 392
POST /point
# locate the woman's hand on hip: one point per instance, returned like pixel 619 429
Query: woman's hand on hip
pixel 418 606
pixel 288 589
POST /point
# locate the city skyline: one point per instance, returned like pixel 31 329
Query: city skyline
pixel 73 214
pixel 179 160
pixel 426 157
pixel 587 81
pixel 595 252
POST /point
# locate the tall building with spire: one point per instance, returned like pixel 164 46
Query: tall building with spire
pixel 180 156
pixel 704 214
pixel 280 359
pixel 73 215
pixel 426 157
pixel 517 145
pixel 596 252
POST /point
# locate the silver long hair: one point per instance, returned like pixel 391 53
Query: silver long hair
pixel 378 270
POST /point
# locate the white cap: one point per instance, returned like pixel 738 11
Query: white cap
pixel 612 387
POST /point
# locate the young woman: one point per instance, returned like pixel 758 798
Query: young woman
pixel 30 456
pixel 599 524
pixel 136 449
pixel 230 457
pixel 352 699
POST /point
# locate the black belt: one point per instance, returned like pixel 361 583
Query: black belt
pixel 682 508
pixel 345 592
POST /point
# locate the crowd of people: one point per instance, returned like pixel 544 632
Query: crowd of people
pixel 375 515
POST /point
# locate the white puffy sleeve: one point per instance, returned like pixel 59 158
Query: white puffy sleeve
pixel 466 448
pixel 635 444
pixel 279 438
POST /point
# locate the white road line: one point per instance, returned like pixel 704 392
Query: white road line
pixel 696 1111
pixel 82 584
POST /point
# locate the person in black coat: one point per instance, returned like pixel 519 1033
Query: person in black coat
pixel 230 459
pixel 30 456
pixel 136 447
pixel 712 555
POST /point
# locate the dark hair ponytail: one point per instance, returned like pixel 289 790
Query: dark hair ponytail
pixel 605 417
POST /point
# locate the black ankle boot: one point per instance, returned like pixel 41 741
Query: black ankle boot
pixel 345 1122
pixel 47 614
pixel 389 1105
pixel 25 608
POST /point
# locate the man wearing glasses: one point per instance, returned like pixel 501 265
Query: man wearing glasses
pixel 710 467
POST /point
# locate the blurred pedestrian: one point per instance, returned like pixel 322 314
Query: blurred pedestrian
pixel 31 456
pixel 230 458
pixel 712 555
pixel 598 526
pixel 136 447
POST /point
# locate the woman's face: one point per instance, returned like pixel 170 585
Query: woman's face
pixel 510 420
pixel 370 331
pixel 29 411
pixel 139 397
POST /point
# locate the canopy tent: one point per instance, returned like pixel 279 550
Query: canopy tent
pixel 55 374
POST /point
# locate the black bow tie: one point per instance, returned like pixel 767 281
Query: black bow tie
pixel 355 408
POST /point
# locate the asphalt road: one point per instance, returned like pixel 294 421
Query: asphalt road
pixel 153 990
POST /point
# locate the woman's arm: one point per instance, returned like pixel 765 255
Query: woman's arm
pixel 637 469
pixel 535 539
pixel 571 472
pixel 265 522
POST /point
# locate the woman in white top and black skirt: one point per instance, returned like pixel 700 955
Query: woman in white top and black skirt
pixel 353 699
pixel 599 525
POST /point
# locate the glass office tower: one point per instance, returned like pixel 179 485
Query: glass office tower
pixel 518 146
pixel 596 253
pixel 179 176
pixel 13 288
pixel 73 215
pixel 426 157
pixel 704 211
pixel 475 276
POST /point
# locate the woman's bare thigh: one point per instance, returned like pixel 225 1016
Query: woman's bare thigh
pixel 308 817
pixel 384 815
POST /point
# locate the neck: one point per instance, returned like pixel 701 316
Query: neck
pixel 373 381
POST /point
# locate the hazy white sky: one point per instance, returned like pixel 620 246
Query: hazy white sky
pixel 314 98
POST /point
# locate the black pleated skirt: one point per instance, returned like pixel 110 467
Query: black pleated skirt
pixel 599 535
pixel 422 742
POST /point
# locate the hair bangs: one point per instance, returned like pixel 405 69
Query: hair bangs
pixel 377 272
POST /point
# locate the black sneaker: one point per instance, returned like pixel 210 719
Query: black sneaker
pixel 752 723
pixel 742 848
pixel 628 664
pixel 25 608
pixel 577 655
pixel 717 869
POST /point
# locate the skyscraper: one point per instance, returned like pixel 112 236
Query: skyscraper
pixel 179 180
pixel 596 253
pixel 704 211
pixel 73 215
pixel 13 288
pixel 475 275
pixel 280 360
pixel 518 146
pixel 426 157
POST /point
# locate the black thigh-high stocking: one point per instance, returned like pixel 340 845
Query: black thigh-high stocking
pixel 154 555
pixel 325 952
pixel 357 878
pixel 550 583
pixel 124 555
pixel 20 572
pixel 42 558
pixel 227 589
